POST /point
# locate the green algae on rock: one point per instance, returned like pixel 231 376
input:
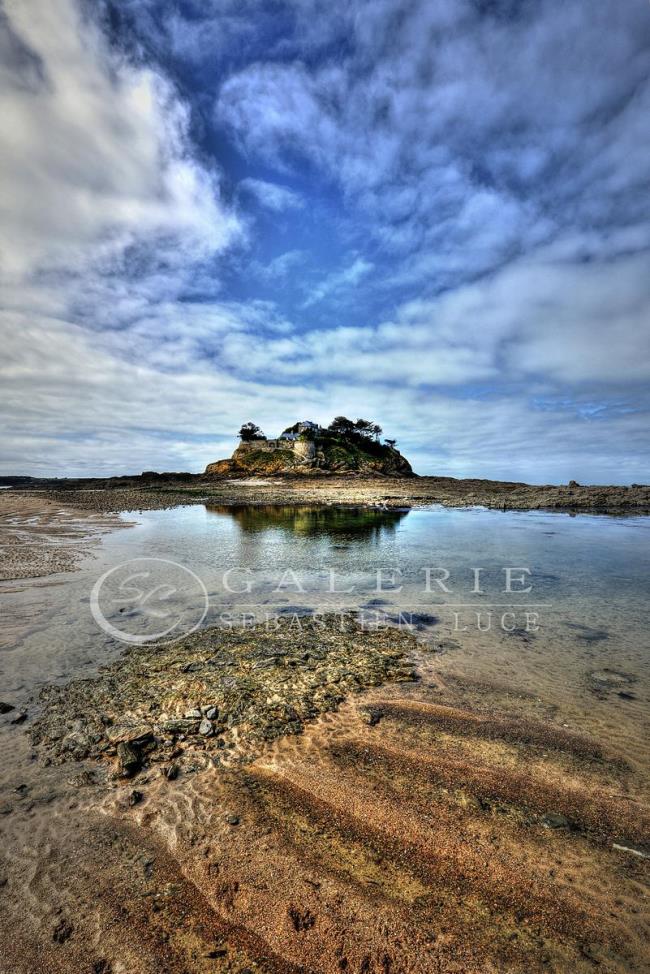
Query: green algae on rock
pixel 219 689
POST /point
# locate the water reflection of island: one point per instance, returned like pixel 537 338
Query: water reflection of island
pixel 336 523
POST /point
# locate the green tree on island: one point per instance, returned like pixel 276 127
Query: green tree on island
pixel 345 427
pixel 249 432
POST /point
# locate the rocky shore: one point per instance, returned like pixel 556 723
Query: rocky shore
pixel 145 493
pixel 218 693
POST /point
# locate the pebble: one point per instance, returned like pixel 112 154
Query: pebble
pixel 555 821
pixel 62 931
pixel 205 727
pixel 232 819
pixel 6 708
pixel 129 758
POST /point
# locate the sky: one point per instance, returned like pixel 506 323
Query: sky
pixel 430 213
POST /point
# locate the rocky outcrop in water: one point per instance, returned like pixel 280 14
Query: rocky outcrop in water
pixel 321 452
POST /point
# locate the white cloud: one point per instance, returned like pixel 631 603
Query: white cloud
pixel 97 160
pixel 272 196
pixel 463 136
pixel 280 267
pixel 341 280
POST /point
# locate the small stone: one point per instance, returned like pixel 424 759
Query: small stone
pixel 135 798
pixel 232 819
pixel 205 727
pixel 21 718
pixel 555 821
pixel 171 773
pixel 62 931
pixel 6 708
pixel 370 717
pixel 211 713
pixel 129 758
pixel 193 714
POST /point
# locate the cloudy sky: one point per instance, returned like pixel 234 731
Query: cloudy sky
pixel 431 213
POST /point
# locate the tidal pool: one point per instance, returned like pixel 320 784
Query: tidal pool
pixel 578 584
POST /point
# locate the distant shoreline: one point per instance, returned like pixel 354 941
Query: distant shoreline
pixel 170 490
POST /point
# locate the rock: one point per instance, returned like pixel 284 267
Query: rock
pixel 102 967
pixel 573 483
pixel 554 820
pixel 370 717
pixel 21 718
pixel 6 708
pixel 192 667
pixel 622 845
pixel 232 819
pixel 129 758
pixel 180 726
pixel 135 798
pixel 301 919
pixel 62 931
pixel 171 773
pixel 136 734
pixel 310 671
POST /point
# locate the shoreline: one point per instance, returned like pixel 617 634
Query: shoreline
pixel 40 538
pixel 131 494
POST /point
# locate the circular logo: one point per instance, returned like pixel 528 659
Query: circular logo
pixel 149 598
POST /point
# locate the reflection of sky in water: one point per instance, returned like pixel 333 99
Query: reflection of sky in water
pixel 589 573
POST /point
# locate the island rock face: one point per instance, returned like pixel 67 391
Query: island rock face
pixel 319 452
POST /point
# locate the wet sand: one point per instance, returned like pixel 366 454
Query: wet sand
pixel 40 536
pixel 482 810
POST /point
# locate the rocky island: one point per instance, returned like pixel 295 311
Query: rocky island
pixel 306 447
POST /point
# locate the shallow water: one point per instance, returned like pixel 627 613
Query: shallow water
pixel 587 578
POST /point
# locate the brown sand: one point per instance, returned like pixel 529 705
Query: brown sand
pixel 400 834
pixel 445 826
pixel 41 537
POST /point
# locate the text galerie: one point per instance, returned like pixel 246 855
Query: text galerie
pixel 508 615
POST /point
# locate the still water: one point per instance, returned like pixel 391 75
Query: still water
pixel 456 576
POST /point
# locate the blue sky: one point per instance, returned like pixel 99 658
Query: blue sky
pixel 432 214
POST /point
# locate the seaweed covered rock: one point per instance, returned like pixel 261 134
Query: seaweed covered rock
pixel 218 689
